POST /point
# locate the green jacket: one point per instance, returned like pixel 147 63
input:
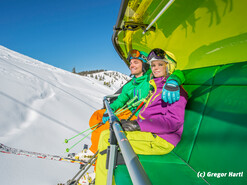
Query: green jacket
pixel 136 87
pixel 140 87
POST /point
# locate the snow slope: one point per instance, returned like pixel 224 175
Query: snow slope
pixel 40 106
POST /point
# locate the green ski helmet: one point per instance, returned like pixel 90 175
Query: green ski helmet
pixel 141 55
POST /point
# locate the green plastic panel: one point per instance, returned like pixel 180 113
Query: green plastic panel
pixel 234 74
pixel 200 76
pixel 220 146
pixel 215 132
pixel 193 116
pixel 179 172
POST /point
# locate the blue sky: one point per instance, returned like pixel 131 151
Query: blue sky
pixel 63 33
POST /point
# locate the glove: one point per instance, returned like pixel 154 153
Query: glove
pixel 171 92
pixel 105 117
pixel 130 125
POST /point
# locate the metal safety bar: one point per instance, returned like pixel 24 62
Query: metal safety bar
pixel 117 136
pixel 113 142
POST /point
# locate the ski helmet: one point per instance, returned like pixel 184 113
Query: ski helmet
pixel 166 56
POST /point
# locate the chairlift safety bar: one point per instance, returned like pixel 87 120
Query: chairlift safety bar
pixel 136 170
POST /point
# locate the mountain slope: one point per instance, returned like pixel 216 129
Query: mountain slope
pixel 112 79
pixel 41 106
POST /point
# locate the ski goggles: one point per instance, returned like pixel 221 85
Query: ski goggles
pixel 159 54
pixel 135 54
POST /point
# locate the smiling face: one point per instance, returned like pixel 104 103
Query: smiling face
pixel 158 68
pixel 136 67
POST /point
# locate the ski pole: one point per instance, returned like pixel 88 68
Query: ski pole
pixel 67 140
pixel 144 101
pixel 127 104
pixel 89 163
pixel 135 111
pixel 68 149
pixel 133 105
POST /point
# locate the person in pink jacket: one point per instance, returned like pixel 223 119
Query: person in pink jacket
pixel 160 118
pixel 159 125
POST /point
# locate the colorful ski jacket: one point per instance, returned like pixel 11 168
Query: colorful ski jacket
pixel 165 120
pixel 136 87
pixel 140 87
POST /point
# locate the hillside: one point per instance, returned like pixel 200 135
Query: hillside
pixel 42 105
pixel 112 79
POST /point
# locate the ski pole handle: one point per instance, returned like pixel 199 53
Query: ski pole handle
pixel 135 111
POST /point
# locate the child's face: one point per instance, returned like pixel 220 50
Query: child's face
pixel 158 68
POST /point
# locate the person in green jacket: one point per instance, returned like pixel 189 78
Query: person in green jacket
pixel 135 91
pixel 139 86
pixel 159 125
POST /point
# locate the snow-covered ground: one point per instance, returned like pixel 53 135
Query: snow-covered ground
pixel 41 106
pixel 112 79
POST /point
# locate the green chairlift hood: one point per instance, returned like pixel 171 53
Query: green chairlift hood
pixel 200 33
pixel 209 40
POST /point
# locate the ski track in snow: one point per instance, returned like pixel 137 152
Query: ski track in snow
pixel 40 106
pixel 30 117
pixel 52 84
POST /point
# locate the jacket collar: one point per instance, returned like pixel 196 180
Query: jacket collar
pixel 145 77
pixel 158 82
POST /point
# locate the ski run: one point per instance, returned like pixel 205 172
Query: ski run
pixel 41 105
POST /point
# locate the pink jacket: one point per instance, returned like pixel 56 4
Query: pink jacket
pixel 164 119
